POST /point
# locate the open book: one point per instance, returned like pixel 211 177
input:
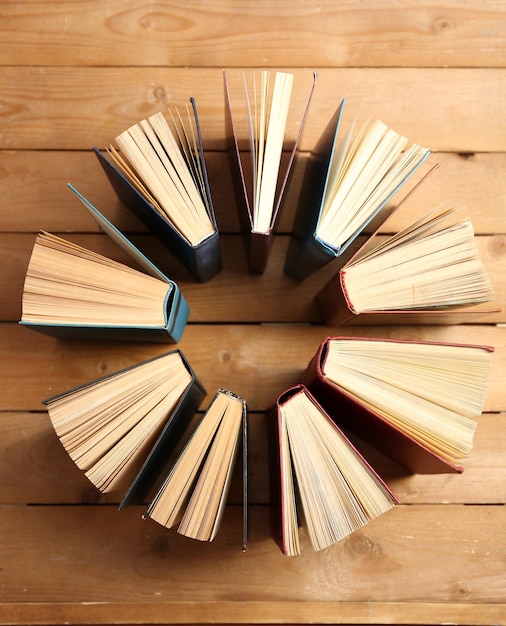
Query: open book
pixel 158 171
pixel 70 291
pixel 262 175
pixel 195 491
pixel 346 187
pixel 417 402
pixel 121 429
pixel 337 490
pixel 429 272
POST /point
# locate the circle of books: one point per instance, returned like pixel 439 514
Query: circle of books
pixel 121 428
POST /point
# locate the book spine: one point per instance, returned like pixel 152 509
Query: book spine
pixel 259 246
pixel 332 302
pixel 306 257
pixel 103 333
pixel 202 261
pixel 177 313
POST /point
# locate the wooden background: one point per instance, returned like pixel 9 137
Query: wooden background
pixel 73 75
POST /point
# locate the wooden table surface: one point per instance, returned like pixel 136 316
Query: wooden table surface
pixel 75 74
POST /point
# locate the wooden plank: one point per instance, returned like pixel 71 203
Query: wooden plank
pixel 35 468
pixel 257 362
pixel 73 75
pixel 482 482
pixel 78 107
pixel 35 183
pixel 228 297
pixel 107 561
pixel 225 33
pixel 244 612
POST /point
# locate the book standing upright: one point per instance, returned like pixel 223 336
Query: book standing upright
pixel 321 477
pixel 415 401
pixel 122 428
pixel 72 292
pixel 261 183
pixel 346 188
pixel 159 173
pixel 194 493
pixel 428 273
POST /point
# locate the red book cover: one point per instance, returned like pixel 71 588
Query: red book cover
pixel 280 451
pixel 359 419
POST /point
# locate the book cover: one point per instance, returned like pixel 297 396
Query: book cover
pixel 359 412
pixel 202 259
pixel 122 428
pixel 259 210
pixel 323 482
pixel 342 194
pixel 173 308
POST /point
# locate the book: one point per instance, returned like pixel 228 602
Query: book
pixel 194 493
pixel 158 171
pixel 415 401
pixel 72 292
pixel 323 479
pixel 121 429
pixel 430 272
pixel 347 186
pixel 261 174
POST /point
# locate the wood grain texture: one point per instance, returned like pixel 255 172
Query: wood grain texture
pixel 224 33
pixel 76 108
pixel 75 74
pixel 108 560
pixel 257 362
pixel 34 182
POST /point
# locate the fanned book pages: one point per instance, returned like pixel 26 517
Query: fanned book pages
pixel 73 292
pixel 417 402
pixel 261 173
pixel 430 272
pixel 194 494
pixel 323 479
pixel 346 188
pixel 120 429
pixel 158 170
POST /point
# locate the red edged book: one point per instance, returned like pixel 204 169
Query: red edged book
pixel 417 402
pixel 322 478
pixel 428 273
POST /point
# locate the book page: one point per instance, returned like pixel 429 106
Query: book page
pixel 338 491
pixel 108 425
pixel 158 161
pixel 420 268
pixel 67 284
pixel 402 382
pixel 375 166
pixel 203 513
pixel 169 504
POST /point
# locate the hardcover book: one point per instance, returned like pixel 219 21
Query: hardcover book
pixel 417 402
pixel 72 292
pixel 158 171
pixel 347 187
pixel 323 479
pixel 261 178
pixel 121 429
pixel 428 273
pixel 194 493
